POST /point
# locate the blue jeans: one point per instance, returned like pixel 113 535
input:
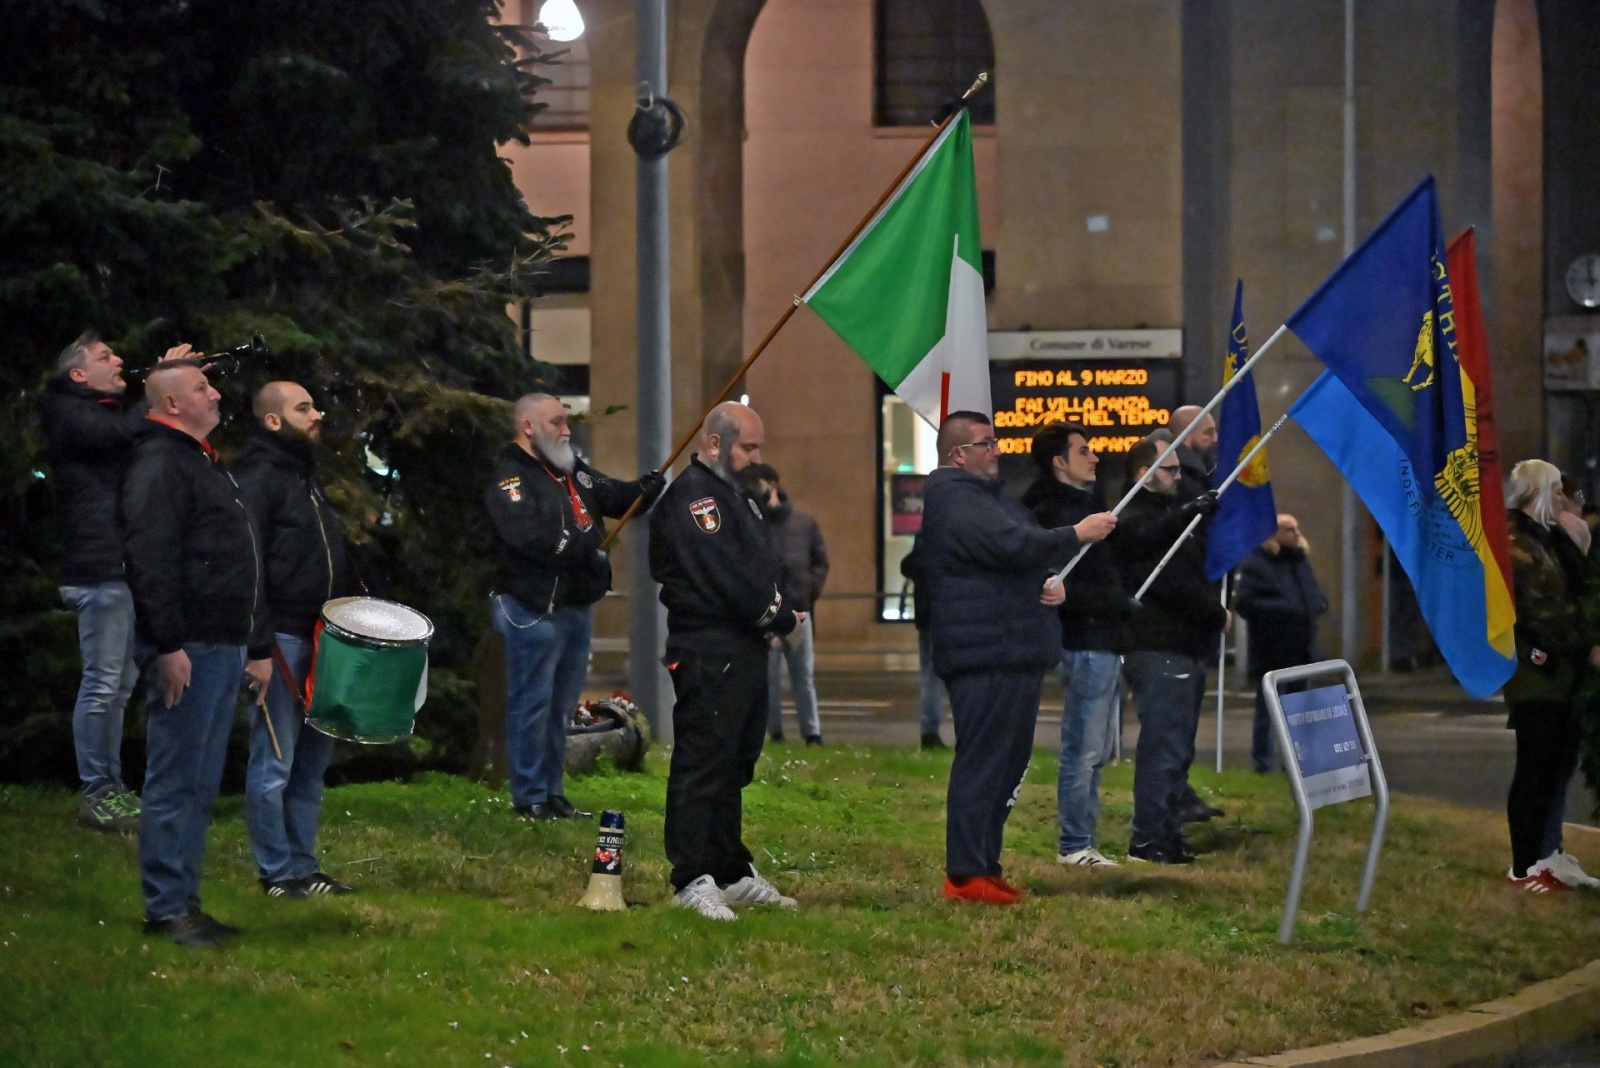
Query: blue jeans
pixel 800 657
pixel 1168 689
pixel 283 797
pixel 186 746
pixel 933 696
pixel 1093 682
pixel 105 639
pixel 547 658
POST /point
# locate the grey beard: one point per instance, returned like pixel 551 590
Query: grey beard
pixel 559 453
pixel 719 467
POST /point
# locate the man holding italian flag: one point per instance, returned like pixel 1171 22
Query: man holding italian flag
pixel 907 295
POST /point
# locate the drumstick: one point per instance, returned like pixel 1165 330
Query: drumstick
pixel 287 676
pixel 276 751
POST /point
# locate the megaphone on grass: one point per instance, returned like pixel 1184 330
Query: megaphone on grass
pixel 605 878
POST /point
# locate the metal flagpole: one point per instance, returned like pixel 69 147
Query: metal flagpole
pixel 1349 528
pixel 1172 551
pixel 1182 437
pixel 1222 673
pixel 647 678
pixel 1386 650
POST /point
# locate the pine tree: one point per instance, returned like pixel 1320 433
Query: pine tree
pixel 324 174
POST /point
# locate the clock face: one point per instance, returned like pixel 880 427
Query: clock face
pixel 1583 280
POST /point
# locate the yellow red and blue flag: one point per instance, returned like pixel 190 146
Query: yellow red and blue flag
pixel 1397 414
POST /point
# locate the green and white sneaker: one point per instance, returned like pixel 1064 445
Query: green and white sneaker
pixel 128 801
pixel 107 812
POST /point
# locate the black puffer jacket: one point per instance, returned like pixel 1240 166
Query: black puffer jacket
pixel 194 563
pixel 1549 624
pixel 713 553
pixel 301 536
pixel 542 557
pixel 1097 609
pixel 1182 611
pixel 984 561
pixel 89 440
pixel 1279 597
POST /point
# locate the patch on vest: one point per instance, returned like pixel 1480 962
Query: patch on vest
pixel 706 516
pixel 583 477
pixel 513 488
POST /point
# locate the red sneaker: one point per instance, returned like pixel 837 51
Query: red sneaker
pixel 1540 881
pixel 1010 888
pixel 981 888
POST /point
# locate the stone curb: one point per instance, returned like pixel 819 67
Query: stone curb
pixel 1505 1031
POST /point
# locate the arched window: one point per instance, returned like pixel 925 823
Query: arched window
pixel 927 52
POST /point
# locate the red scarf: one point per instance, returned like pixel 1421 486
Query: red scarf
pixel 580 511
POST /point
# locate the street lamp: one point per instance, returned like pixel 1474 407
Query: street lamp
pixel 562 21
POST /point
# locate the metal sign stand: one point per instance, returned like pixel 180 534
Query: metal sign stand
pixel 1293 758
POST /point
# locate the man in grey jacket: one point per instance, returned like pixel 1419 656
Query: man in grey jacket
pixel 805 571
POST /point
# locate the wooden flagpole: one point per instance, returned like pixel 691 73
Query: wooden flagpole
pixel 794 305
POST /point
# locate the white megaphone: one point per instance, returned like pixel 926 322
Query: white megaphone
pixel 605 878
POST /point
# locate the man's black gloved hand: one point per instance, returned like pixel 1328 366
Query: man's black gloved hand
pixel 1206 504
pixel 650 486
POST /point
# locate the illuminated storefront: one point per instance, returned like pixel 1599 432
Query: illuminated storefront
pixel 1119 384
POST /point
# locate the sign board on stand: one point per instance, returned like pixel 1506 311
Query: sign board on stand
pixel 1329 755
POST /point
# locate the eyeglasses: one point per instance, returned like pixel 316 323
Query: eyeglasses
pixel 987 444
pixel 1170 469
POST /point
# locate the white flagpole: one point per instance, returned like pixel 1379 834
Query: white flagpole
pixel 1180 439
pixel 1161 566
pixel 1222 664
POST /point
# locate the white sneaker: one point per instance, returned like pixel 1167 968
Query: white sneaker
pixel 1565 866
pixel 1087 858
pixel 754 890
pixel 703 897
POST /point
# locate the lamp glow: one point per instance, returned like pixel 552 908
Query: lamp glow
pixel 562 20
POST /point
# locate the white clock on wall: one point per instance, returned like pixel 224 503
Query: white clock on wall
pixel 1583 280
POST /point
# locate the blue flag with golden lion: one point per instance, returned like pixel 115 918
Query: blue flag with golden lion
pixel 1246 513
pixel 1397 414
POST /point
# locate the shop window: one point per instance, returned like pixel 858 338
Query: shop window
pixel 908 450
pixel 927 53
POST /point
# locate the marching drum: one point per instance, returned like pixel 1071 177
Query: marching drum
pixel 369 673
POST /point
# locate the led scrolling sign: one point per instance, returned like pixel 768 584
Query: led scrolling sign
pixel 1087 377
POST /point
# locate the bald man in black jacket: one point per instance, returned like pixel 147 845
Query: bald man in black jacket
pixel 712 551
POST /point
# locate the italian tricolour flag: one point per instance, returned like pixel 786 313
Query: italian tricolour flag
pixel 907 295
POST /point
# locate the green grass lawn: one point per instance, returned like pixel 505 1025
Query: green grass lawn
pixel 463 945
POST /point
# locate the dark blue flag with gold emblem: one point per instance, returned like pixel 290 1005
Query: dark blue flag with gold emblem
pixel 1247 515
pixel 1398 416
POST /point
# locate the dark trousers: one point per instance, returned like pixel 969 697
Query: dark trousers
pixel 1547 753
pixel 994 714
pixel 719 723
pixel 1168 689
pixel 1264 755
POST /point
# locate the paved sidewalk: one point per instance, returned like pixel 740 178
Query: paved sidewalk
pixel 1433 739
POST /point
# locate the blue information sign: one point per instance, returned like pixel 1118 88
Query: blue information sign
pixel 1327 748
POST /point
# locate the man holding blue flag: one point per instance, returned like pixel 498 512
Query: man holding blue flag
pixel 1397 415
